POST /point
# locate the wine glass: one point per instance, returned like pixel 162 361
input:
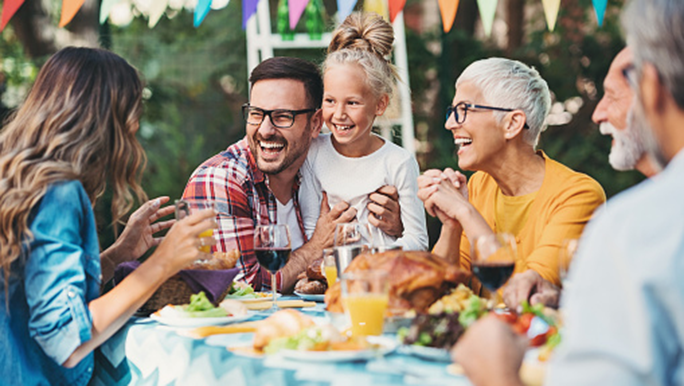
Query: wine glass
pixel 565 254
pixel 272 247
pixel 493 260
pixel 351 239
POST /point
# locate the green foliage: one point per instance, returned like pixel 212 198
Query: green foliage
pixel 196 82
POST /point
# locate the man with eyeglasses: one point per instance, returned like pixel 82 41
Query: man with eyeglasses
pixel 624 320
pixel 256 180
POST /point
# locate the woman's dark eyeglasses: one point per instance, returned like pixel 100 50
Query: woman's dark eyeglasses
pixel 461 110
pixel 282 119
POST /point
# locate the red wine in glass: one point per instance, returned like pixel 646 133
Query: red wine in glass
pixel 493 275
pixel 272 248
pixel 493 260
pixel 273 259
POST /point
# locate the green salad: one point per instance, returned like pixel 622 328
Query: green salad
pixel 201 307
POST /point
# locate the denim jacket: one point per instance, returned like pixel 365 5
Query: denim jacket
pixel 50 287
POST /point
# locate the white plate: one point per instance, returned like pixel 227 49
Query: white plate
pixel 253 300
pixel 387 345
pixel 427 353
pixel 310 297
pixel 197 322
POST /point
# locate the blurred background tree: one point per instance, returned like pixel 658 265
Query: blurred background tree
pixel 196 78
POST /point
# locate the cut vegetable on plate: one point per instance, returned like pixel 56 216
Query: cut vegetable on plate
pixel 200 312
pixel 245 293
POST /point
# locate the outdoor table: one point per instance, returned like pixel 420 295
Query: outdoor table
pixel 145 352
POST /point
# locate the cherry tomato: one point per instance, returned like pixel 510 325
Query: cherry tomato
pixel 507 317
pixel 523 323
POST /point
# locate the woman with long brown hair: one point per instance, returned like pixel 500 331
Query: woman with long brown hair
pixel 74 134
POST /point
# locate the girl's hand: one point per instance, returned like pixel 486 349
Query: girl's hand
pixel 182 244
pixel 385 211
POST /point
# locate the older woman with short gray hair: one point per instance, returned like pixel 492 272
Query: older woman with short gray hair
pixel 496 118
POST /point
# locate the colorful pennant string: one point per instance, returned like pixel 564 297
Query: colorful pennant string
pixel 344 9
pixel 487 12
pixel 69 10
pixel 395 6
pixel 9 8
pixel 296 8
pixel 600 8
pixel 156 11
pixel 376 6
pixel 105 8
pixel 201 10
pixel 448 10
pixel 249 8
pixel 551 8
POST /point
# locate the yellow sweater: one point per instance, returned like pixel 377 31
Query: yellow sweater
pixel 563 206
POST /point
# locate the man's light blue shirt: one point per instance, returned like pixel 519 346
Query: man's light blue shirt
pixel 624 312
pixel 49 291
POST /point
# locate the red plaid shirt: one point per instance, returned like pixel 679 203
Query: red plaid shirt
pixel 232 179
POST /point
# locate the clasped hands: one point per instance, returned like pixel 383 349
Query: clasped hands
pixel 444 193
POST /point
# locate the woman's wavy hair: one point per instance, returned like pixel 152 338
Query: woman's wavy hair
pixel 78 123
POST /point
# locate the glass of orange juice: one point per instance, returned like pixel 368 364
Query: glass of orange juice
pixel 365 295
pixel 185 208
pixel 329 267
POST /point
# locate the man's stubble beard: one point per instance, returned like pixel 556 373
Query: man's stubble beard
pixel 295 150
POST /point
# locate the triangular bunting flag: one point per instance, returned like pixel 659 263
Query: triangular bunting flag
pixel 551 8
pixel 69 10
pixel 487 12
pixel 9 8
pixel 395 6
pixel 296 8
pixel 219 4
pixel 448 10
pixel 376 6
pixel 201 10
pixel 344 9
pixel 105 8
pixel 156 11
pixel 600 8
pixel 248 9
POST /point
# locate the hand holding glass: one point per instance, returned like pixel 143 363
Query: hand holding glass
pixel 272 247
pixel 185 208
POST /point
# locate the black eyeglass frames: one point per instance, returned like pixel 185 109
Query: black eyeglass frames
pixel 280 118
pixel 461 110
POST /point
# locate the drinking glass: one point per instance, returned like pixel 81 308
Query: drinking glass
pixel 565 254
pixel 272 247
pixel 186 207
pixel 493 260
pixel 329 266
pixel 351 239
pixel 365 295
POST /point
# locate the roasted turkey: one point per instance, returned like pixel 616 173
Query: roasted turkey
pixel 417 279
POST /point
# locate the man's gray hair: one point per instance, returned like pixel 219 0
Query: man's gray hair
pixel 655 31
pixel 511 84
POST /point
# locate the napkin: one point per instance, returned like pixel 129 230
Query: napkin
pixel 212 282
